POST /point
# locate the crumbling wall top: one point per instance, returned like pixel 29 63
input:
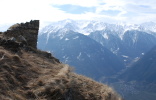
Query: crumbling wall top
pixel 28 31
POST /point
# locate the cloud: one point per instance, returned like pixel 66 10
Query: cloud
pixel 75 9
pixel 13 11
pixel 139 8
pixel 83 3
pixel 110 12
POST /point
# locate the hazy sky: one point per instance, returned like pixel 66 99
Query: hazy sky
pixel 131 11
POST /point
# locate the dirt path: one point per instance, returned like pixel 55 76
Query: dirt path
pixel 64 71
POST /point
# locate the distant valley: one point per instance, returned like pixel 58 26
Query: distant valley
pixel 110 53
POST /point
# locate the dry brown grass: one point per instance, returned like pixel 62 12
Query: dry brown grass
pixel 92 90
pixel 33 76
pixel 13 26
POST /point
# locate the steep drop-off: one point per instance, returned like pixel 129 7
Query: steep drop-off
pixel 87 56
pixel 30 74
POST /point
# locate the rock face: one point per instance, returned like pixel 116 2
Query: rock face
pixel 24 32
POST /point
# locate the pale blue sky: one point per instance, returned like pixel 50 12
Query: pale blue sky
pixel 130 11
pixel 75 9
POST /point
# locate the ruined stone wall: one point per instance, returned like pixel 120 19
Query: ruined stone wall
pixel 28 30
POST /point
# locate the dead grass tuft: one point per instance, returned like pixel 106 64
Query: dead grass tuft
pixel 13 26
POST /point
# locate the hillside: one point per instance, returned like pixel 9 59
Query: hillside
pixel 133 44
pixel 30 74
pixel 139 82
pixel 144 69
pixel 86 45
pixel 87 56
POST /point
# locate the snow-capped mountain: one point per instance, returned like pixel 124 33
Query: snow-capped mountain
pixel 149 26
pixel 132 45
pixel 96 49
pixel 87 56
pixel 128 41
pixel 86 27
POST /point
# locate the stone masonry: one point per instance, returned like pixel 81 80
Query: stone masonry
pixel 27 32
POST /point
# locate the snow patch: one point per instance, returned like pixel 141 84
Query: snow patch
pixel 115 51
pixel 61 37
pixel 66 59
pixel 88 55
pixel 64 56
pixel 78 57
pixel 136 59
pixel 135 38
pixel 125 56
pixel 49 51
pixel 105 36
pixel 66 39
pixel 76 37
pixel 86 33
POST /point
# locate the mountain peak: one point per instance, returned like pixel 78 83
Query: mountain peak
pixel 87 26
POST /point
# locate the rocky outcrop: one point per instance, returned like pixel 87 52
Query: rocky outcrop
pixel 24 32
pixel 23 37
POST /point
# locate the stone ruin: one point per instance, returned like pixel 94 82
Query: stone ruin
pixel 23 33
pixel 23 36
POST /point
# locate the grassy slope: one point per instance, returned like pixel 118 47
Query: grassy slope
pixel 29 74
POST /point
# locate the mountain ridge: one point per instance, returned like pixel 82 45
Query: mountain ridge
pixel 115 37
pixel 87 26
pixel 81 51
